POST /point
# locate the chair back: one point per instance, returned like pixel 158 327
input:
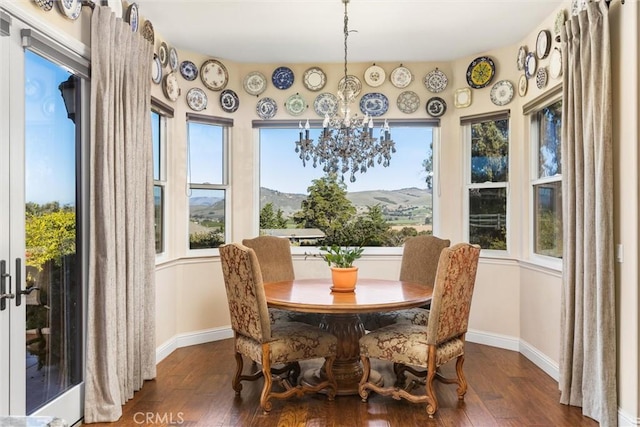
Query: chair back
pixel 420 257
pixel 245 293
pixel 451 302
pixel 274 256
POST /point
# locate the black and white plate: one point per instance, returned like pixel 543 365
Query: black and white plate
pixel 374 104
pixel 325 103
pixel 282 78
pixel 188 70
pixel 408 102
pixel 541 77
pixel 255 83
pixel 266 108
pixel 314 79
pixel 229 101
pixel 214 75
pixel 436 106
pixel 163 54
pixel 197 99
pixel 501 92
pixel 436 81
pixel 45 5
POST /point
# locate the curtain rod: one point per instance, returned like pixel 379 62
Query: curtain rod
pixel 608 2
pixel 89 3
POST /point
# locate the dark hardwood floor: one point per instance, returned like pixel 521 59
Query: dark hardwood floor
pixel 193 388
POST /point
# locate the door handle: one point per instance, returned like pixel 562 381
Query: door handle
pixel 3 285
pixel 18 274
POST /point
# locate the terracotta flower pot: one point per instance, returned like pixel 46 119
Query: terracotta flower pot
pixel 344 279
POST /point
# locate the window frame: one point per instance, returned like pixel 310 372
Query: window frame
pixel 164 112
pixel 531 110
pixel 433 123
pixel 226 125
pixel 465 123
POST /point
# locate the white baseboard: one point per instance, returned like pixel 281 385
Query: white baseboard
pixel 493 340
pixel 626 420
pixel 540 359
pixel 191 338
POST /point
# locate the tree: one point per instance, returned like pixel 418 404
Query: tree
pixel 370 229
pixel 328 209
pixel 271 219
pixel 50 233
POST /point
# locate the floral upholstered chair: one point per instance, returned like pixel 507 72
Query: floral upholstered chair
pixel 280 344
pixel 429 346
pixel 420 257
pixel 276 265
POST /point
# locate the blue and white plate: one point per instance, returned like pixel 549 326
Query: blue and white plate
pixel 266 108
pixel 133 17
pixel 374 104
pixel 325 103
pixel 70 8
pixel 229 101
pixel 188 70
pixel 282 77
pixel 196 99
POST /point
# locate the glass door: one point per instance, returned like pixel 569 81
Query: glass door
pixel 42 312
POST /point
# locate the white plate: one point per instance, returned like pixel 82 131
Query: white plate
pixel 530 65
pixel 156 70
pixel 214 75
pixel 543 44
pixel 70 8
pixel 522 57
pixel 254 83
pixel 314 79
pixel 325 103
pixel 401 77
pixel 295 105
pixel 462 97
pixel 436 81
pixel 196 99
pixel 408 102
pixel 502 92
pixel 555 63
pixel 170 87
pixel 523 84
pixel 375 76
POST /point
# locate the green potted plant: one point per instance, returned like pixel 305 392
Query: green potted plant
pixel 343 274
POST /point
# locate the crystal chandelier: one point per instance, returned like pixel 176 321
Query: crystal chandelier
pixel 346 144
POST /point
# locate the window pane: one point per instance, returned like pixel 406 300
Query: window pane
pixel 206 218
pixel 550 127
pixel 488 217
pixel 155 135
pixel 381 208
pixel 548 219
pixel 205 153
pixel 490 151
pixel 158 206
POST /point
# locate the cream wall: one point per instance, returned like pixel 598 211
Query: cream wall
pixel 516 303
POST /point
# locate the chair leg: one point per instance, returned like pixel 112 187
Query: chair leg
pixel 432 400
pixel 462 382
pixel 268 382
pixel 237 386
pixel 366 371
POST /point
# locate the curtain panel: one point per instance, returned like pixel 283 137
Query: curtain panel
pixel 588 320
pixel 120 351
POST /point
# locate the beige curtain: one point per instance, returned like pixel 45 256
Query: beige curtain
pixel 121 295
pixel 588 322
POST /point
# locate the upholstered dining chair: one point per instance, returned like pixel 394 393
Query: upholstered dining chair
pixel 276 264
pixel 420 256
pixel 428 346
pixel 271 345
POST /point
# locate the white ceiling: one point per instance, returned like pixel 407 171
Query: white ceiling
pixel 311 31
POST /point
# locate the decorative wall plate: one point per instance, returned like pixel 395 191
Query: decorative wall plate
pixel 375 75
pixel 133 17
pixel 523 84
pixel 188 70
pixel 374 104
pixel 555 63
pixel 70 8
pixel 295 104
pixel 352 83
pixel 229 101
pixel 254 83
pixel 522 57
pixel 45 5
pixel 115 5
pixel 282 78
pixel 541 77
pixel 401 77
pixel 408 102
pixel 462 97
pixel 436 107
pixel 543 44
pixel 436 81
pixel 163 54
pixel 266 108
pixel 156 70
pixel 173 59
pixel 147 31
pixel 501 92
pixel 530 65
pixel 480 72
pixel 213 74
pixel 325 103
pixel 559 24
pixel 196 99
pixel 170 87
pixel 577 6
pixel 314 79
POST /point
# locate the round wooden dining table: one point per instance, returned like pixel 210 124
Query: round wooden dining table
pixel 341 316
